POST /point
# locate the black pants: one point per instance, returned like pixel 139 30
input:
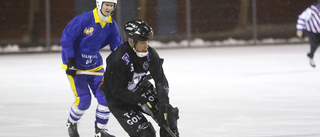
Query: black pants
pixel 314 40
pixel 132 120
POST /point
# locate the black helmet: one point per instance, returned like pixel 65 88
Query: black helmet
pixel 137 30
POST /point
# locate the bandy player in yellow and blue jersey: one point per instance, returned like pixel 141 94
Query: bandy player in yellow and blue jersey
pixel 81 42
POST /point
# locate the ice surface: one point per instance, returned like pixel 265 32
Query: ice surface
pixel 250 91
pixel 197 42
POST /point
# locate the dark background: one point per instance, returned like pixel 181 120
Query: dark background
pixel 23 21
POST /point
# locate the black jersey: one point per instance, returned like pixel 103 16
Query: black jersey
pixel 124 71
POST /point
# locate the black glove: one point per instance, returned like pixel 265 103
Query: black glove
pixel 143 85
pixel 162 114
pixel 71 70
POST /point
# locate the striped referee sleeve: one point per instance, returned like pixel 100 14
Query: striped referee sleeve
pixel 309 20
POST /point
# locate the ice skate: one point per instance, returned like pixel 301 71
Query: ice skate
pixel 311 62
pixel 72 129
pixel 101 132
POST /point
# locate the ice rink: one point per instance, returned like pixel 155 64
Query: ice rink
pixel 248 91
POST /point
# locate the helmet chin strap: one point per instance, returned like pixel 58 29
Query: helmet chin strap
pixel 141 54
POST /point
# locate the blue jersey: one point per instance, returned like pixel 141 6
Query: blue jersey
pixel 83 38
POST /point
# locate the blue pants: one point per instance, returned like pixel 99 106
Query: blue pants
pixel 83 87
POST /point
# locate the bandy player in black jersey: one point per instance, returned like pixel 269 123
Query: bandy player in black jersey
pixel 127 88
